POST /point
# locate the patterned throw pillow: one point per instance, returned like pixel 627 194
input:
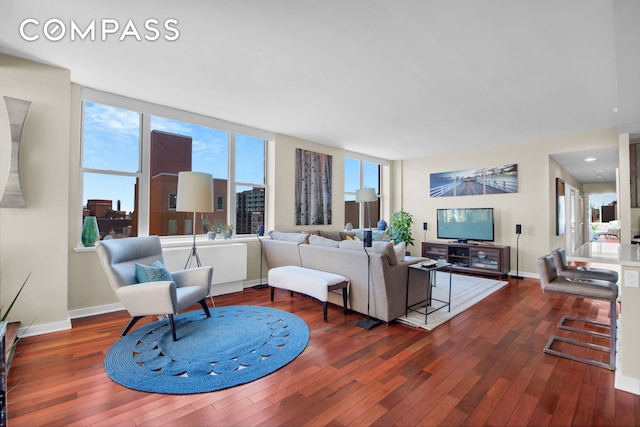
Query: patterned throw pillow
pixel 155 272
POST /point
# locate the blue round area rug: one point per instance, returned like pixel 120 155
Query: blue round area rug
pixel 236 345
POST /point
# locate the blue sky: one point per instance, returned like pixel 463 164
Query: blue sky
pixel 111 142
pixel 352 176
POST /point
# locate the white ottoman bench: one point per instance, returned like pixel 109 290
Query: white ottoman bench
pixel 314 283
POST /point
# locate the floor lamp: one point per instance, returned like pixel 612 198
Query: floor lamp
pixel 195 194
pixel 518 232
pixel 367 195
pixel 260 233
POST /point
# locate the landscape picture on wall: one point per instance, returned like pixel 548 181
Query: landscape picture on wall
pixel 313 188
pixel 469 182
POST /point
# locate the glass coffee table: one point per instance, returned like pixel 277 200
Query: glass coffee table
pixel 428 269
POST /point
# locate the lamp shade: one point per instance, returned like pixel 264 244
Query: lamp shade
pixel 366 195
pixel 195 192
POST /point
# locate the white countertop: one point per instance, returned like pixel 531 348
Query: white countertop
pixel 607 253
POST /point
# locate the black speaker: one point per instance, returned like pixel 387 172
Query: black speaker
pixel 518 229
pixel 425 226
pixel 368 238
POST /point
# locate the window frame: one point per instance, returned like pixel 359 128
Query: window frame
pixel 361 159
pixel 146 111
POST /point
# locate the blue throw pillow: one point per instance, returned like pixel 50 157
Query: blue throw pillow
pixel 155 272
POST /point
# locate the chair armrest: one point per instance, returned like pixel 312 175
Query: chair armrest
pixel 143 299
pixel 198 276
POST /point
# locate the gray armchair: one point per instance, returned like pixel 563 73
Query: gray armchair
pixel 165 297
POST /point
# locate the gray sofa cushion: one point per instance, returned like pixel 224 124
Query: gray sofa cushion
pixel 323 241
pixel 290 237
pixel 336 235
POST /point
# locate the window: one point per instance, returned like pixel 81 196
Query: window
pixel 131 158
pixel 111 168
pixel 181 146
pixel 250 183
pixel 360 174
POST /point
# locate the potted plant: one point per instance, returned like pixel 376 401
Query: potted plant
pixel 227 230
pixel 400 227
pixel 213 231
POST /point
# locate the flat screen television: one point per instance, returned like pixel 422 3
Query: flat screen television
pixel 464 224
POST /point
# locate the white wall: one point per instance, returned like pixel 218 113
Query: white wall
pixel 35 239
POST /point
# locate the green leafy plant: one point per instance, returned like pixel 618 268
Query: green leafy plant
pixel 400 227
pixel 6 313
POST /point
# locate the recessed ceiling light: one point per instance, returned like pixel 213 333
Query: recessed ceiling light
pixel 615 109
pixel 590 159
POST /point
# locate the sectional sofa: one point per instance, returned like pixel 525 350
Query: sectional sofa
pixel 384 265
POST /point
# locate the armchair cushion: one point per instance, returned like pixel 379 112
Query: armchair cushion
pixel 197 276
pixel 155 272
pixel 149 298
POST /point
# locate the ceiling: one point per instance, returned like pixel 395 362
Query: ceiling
pixel 394 80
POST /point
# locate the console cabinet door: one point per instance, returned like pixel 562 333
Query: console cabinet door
pixel 488 259
pixel 434 251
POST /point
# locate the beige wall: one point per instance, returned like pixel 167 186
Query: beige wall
pixel 531 206
pixel 283 184
pixel 35 239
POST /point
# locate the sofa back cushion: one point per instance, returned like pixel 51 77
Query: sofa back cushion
pixel 335 235
pixel 323 241
pixel 290 237
pixel 400 250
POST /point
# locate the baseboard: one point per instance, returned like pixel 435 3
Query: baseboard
pixel 255 282
pixel 523 274
pixel 94 311
pixel 628 384
pixel 46 328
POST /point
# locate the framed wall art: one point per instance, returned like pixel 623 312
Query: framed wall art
pixel 313 188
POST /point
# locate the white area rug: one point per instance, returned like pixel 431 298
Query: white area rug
pixel 466 291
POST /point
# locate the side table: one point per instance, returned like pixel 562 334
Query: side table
pixel 429 270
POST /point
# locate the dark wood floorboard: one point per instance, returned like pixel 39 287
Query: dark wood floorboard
pixel 484 367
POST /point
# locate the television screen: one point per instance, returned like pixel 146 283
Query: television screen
pixel 466 224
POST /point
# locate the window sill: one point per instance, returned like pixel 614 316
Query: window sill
pixel 186 241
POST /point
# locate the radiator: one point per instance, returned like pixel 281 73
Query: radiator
pixel 229 263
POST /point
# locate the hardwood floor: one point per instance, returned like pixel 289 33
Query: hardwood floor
pixel 484 367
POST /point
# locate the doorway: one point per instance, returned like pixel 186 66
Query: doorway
pixel 574 219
